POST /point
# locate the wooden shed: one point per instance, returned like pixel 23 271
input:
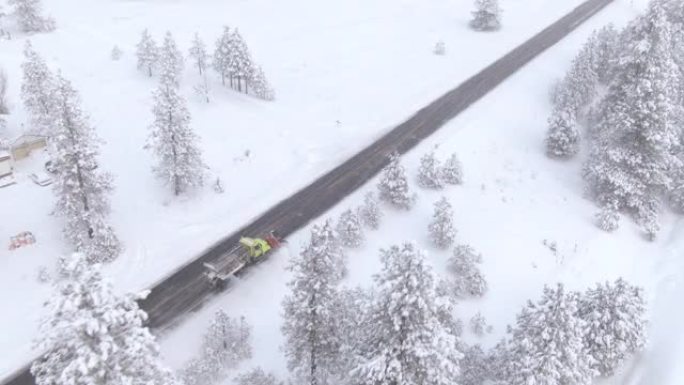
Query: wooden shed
pixel 23 146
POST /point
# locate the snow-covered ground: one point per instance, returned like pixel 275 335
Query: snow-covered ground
pixel 345 72
pixel 512 200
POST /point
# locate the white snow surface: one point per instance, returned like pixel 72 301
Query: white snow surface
pixel 345 72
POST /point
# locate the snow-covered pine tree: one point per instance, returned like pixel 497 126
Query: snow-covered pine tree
pixel 256 376
pixel 222 55
pixel 608 219
pixel 581 80
pixel 393 186
pixel 478 324
pixel 474 368
pixel 467 279
pixel 452 172
pixel 562 138
pixel 606 41
pixel 170 62
pixel 227 342
pixel 632 159
pixel 198 53
pixel 240 62
pixel 349 229
pixel 28 13
pixel 147 53
pixel 441 229
pixel 429 172
pixel 202 89
pixel 4 108
pixel 38 91
pixel 312 340
pixel 80 186
pixel 93 336
pixel 351 311
pixel 546 344
pixel 179 158
pixel 614 314
pixel 116 53
pixel 199 371
pixel 370 212
pixel 487 15
pixel 408 343
pixel 261 88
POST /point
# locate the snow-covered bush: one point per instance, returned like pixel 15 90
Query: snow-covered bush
pixel 43 275
pixel 116 53
pixel 441 229
pixel 440 48
pixel 487 15
pixel 147 53
pixel 370 212
pixel 218 186
pixel 256 376
pixel 562 138
pixel 393 185
pixel 478 324
pixel 452 172
pixel 227 342
pixel 616 325
pixel 429 175
pixel 467 279
pixel 349 229
pixel 28 14
pixel 608 219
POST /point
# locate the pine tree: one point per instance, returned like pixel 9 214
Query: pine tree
pixel 28 13
pixel 200 371
pixel 170 62
pixel 408 342
pixel 562 139
pixel 606 41
pixel 370 212
pixel 80 187
pixel 93 336
pixel 38 90
pixel 260 86
pixel 393 186
pixel 227 342
pixel 240 62
pixel 198 52
pixel 349 229
pixel 429 175
pixel 546 344
pixel 351 316
pixel 631 160
pixel 4 108
pixel 116 53
pixel 222 55
pixel 256 376
pixel 608 219
pixel 581 80
pixel 179 158
pixel 467 280
pixel 312 340
pixel 441 229
pixel 147 52
pixel 616 325
pixel 478 324
pixel 451 171
pixel 487 15
pixel 474 368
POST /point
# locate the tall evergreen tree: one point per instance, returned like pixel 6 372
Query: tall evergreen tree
pixel 227 342
pixel 562 139
pixel 312 341
pixel 606 47
pixel 429 172
pixel 179 158
pixel 170 62
pixel 370 212
pixel 452 172
pixel 408 342
pixel 80 186
pixel 257 376
pixel 38 90
pixel 393 186
pixel 223 54
pixel 240 62
pixel 349 229
pixel 631 163
pixel 261 88
pixel 546 344
pixel 93 336
pixel 487 15
pixel 28 13
pixel 441 229
pixel 147 52
pixel 198 52
pixel 614 314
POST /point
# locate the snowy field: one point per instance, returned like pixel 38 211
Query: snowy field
pixel 345 72
pixel 512 200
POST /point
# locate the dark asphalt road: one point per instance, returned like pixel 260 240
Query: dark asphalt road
pixel 187 288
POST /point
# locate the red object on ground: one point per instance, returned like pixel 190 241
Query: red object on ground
pixel 272 241
pixel 22 239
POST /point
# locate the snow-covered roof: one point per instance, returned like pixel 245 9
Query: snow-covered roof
pixel 28 138
pixel 5 155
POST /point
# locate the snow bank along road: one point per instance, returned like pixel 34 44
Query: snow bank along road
pixel 187 288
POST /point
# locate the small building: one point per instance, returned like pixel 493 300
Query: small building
pixel 23 146
pixel 6 168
